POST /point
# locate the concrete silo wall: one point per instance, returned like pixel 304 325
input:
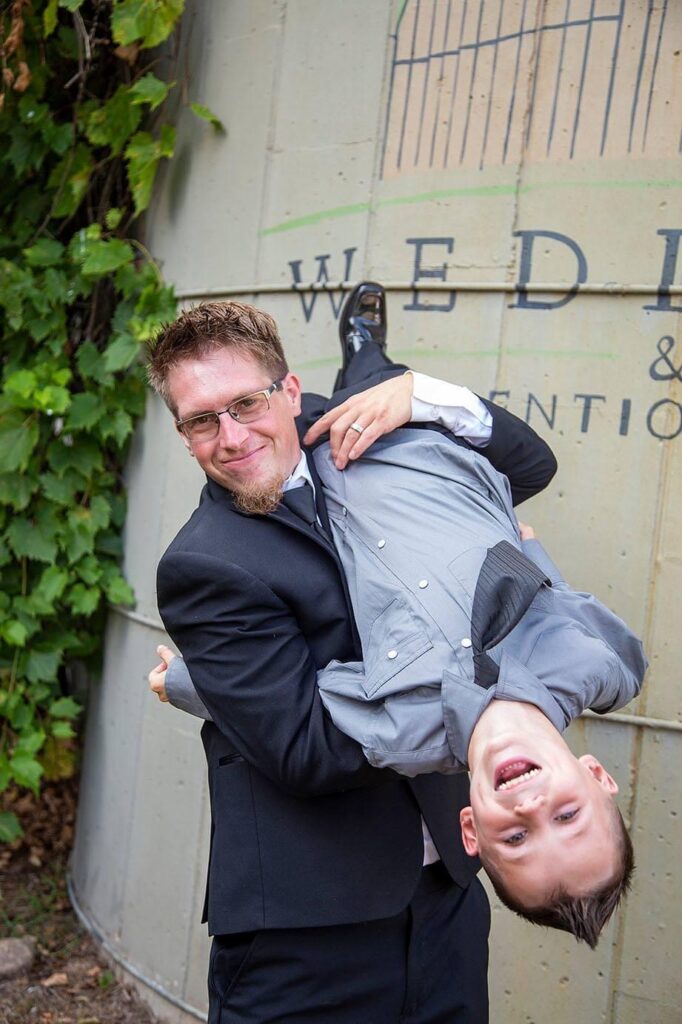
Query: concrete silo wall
pixel 511 171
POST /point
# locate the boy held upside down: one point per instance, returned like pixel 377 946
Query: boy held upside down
pixel 476 655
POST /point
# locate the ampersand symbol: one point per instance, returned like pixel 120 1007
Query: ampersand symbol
pixel 665 346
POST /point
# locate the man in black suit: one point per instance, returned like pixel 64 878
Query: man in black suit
pixel 318 899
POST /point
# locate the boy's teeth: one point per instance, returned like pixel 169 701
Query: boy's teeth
pixel 518 778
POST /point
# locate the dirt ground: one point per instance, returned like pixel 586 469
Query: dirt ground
pixel 69 982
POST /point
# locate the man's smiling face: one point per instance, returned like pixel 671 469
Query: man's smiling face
pixel 542 819
pixel 242 456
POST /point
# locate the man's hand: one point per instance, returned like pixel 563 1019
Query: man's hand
pixel 527 532
pixel 378 410
pixel 157 676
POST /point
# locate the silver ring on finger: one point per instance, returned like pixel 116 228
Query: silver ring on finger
pixel 357 427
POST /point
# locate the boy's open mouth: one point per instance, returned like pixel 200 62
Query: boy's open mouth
pixel 513 773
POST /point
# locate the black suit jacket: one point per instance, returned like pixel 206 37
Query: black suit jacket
pixel 304 832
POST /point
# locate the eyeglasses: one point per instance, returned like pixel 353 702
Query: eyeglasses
pixel 206 426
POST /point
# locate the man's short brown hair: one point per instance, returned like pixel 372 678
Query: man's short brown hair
pixel 209 326
pixel 582 916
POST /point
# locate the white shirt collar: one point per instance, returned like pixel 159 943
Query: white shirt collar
pixel 300 475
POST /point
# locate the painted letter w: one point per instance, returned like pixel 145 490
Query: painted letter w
pixel 322 278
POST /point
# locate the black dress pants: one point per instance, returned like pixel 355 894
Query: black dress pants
pixel 426 965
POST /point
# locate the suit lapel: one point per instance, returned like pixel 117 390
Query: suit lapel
pixel 287 518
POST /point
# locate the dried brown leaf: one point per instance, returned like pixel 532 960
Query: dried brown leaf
pixel 23 78
pixel 16 34
pixel 128 53
pixel 7 76
pixel 58 978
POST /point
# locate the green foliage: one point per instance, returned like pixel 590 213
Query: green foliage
pixel 207 115
pixel 83 129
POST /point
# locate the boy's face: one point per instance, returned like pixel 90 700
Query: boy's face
pixel 541 818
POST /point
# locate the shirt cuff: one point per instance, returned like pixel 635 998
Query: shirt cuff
pixel 453 406
pixel 535 551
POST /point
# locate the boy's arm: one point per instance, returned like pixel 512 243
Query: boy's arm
pixel 393 398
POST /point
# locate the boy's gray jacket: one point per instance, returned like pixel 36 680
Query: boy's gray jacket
pixel 452 608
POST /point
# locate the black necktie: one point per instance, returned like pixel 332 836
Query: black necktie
pixel 301 501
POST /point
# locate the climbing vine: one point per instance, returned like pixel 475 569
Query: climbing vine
pixel 84 125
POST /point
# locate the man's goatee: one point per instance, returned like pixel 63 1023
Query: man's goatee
pixel 257 500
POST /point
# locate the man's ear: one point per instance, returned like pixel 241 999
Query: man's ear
pixel 291 386
pixel 469 834
pixel 599 772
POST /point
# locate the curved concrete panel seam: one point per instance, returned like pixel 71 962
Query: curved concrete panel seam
pixel 508 287
pixel 102 941
pixel 639 721
pixel 142 620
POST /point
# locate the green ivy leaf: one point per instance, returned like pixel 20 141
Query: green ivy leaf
pixel 10 829
pixel 19 435
pixel 61 489
pixel 34 538
pixel 71 5
pixel 50 18
pixel 119 591
pixel 119 427
pixel 26 771
pixel 89 569
pixel 62 730
pixel 45 253
pixel 59 137
pixel 113 217
pixel 52 583
pixel 121 353
pixel 79 537
pixel 143 154
pixel 149 21
pixel 20 386
pixel 41 666
pixel 5 777
pixel 100 510
pixel 86 409
pixel 151 90
pixel 86 456
pixel 83 600
pixel 70 178
pixel 29 743
pixel 104 257
pixel 207 115
pixel 114 122
pixel 16 490
pixel 14 633
pixel 65 707
pixel 90 363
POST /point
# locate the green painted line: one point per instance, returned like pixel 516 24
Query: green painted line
pixel 400 16
pixel 315 218
pixel 316 364
pixel 573 353
pixel 335 212
pixel 418 354
pixel 448 193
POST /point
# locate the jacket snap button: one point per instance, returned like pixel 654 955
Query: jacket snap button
pixel 423 584
pixel 466 642
pixel 392 654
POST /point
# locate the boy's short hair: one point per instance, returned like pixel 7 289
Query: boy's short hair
pixel 582 916
pixel 211 325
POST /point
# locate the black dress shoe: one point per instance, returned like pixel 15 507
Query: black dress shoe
pixel 363 319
